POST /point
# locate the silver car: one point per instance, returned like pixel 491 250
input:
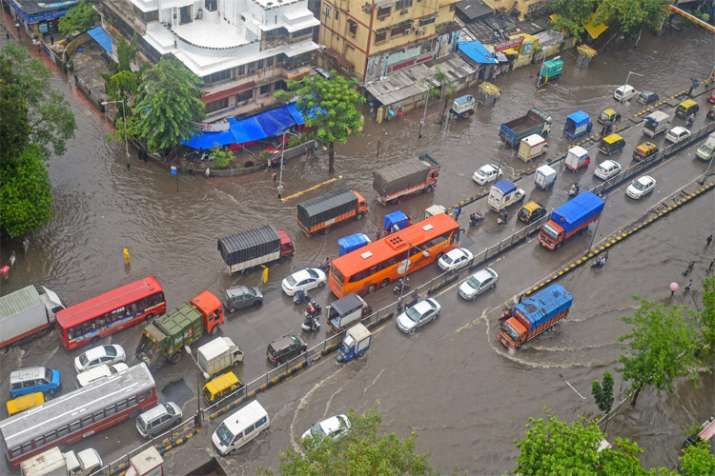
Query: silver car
pixel 158 419
pixel 478 283
pixel 418 315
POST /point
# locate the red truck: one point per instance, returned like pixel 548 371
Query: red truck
pixel 321 213
pixel 405 178
pixel 570 218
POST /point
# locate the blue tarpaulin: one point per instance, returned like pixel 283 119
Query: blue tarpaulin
pixel 477 52
pixel 545 305
pixel 397 219
pixel 240 131
pixel 349 243
pixel 505 186
pixel 102 38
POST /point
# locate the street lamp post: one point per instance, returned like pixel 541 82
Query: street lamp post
pixel 283 149
pixel 629 76
pixel 124 120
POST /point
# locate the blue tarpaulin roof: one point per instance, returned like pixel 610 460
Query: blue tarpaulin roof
pixel 578 118
pixel 545 304
pixel 240 131
pixel 349 243
pixel 102 38
pixel 477 52
pixel 398 217
pixel 505 186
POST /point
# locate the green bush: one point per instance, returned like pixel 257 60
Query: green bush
pixel 222 158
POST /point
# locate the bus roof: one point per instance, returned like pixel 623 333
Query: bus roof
pixel 380 250
pixel 107 301
pixel 72 406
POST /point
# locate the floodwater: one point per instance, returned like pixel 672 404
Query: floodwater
pixel 466 402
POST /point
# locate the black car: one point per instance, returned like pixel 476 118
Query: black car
pixel 241 297
pixel 284 349
pixel 648 97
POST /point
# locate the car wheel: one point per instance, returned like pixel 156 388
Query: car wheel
pixel 371 289
pixel 384 283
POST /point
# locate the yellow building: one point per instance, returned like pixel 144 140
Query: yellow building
pixel 524 8
pixel 372 38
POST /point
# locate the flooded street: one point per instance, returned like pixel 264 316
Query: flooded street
pixel 466 399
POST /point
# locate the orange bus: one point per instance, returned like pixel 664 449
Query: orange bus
pixel 380 262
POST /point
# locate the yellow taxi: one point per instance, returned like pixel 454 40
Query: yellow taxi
pixel 221 386
pixel 25 402
pixel 687 108
pixel 645 151
pixel 530 212
pixel 612 144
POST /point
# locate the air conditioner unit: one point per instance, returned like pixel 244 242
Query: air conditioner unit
pixel 419 31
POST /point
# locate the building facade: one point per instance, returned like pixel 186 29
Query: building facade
pixel 524 8
pixel 373 38
pixel 38 17
pixel 243 50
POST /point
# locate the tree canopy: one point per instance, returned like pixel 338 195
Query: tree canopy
pixel 630 16
pixel 707 316
pixel 363 451
pixel 330 107
pixel 168 105
pixel 572 15
pixel 697 460
pixel 78 19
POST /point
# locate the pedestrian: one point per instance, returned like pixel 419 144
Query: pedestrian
pixel 709 239
pixel 275 177
pixel 457 211
pixel 5 272
pixel 378 234
pixel 711 265
pixel 690 267
pixel 688 286
pixel 26 244
pixel 13 258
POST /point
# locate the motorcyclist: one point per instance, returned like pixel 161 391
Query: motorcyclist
pixel 574 189
pixel 503 217
pixel 475 218
pixel 312 309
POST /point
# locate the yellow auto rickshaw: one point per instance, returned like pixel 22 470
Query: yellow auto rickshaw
pixel 608 116
pixel 686 108
pixel 612 144
pixel 530 212
pixel 25 402
pixel 644 151
pixel 221 386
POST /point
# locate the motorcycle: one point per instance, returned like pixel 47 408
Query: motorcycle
pixel 600 262
pixel 475 219
pixel 401 287
pixel 502 218
pixel 573 190
pixel 310 324
pixel 300 297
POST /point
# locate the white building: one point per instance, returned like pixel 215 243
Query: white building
pixel 242 49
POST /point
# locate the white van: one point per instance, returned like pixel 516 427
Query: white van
pixel 706 151
pixel 240 428
pixel 656 123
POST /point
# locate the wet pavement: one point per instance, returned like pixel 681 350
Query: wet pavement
pixel 468 401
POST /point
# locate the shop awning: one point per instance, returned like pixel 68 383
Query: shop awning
pixel 477 52
pixel 102 38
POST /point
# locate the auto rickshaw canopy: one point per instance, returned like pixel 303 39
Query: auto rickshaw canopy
pixel 220 384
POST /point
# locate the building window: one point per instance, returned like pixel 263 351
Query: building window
pixel 337 14
pixel 217 105
pixel 326 11
pixel 241 70
pixel 401 28
pixel 451 7
pixel 403 4
pixel 269 62
pixel 244 96
pixel 265 89
pixel 427 21
pixel 383 12
pixel 211 5
pixel 380 36
pixel 150 16
pixel 217 77
pixel 352 27
pixel 280 85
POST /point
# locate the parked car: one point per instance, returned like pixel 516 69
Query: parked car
pixel 624 93
pixel 242 297
pixel 607 169
pixel 335 427
pixel 640 187
pixel 418 315
pixel 455 259
pixel 99 372
pixel 648 97
pixel 96 356
pixel 486 174
pixel 303 280
pixel 284 349
pixel 644 151
pixel 478 283
pixel 677 134
pixel 158 419
pixel 35 379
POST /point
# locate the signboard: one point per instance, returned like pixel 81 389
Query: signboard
pixel 43 28
pixel 515 43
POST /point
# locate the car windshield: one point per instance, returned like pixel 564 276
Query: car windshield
pixel 291 280
pixel 312 273
pixel 474 282
pixel 48 375
pixel 316 431
pixel 83 359
pixel 447 259
pixel 638 185
pixel 224 434
pixel 169 409
pixel 413 314
pixel 110 351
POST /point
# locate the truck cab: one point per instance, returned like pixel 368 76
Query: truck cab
pixel 513 333
pixel 287 247
pixel 356 342
pixel 504 194
pixel 210 308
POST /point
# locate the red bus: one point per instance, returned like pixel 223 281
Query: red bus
pixel 110 312
pixel 380 262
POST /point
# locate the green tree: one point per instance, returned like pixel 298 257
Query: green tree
pixel 78 19
pixel 697 460
pixel 707 316
pixel 48 117
pixel 553 446
pixel 330 107
pixel 603 392
pixel 631 16
pixel 168 105
pixel 222 158
pixel 662 346
pixel 363 451
pixel 572 15
pixel 126 53
pixel 25 193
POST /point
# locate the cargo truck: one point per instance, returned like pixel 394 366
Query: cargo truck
pixel 534 315
pixel 656 123
pixel 218 355
pixel 570 218
pixel 251 248
pixel 26 313
pixel 405 178
pixel 535 121
pixel 167 336
pixel 321 213
pixel 577 124
pixel 55 463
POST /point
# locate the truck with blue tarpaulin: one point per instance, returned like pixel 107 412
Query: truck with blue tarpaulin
pixel 577 125
pixel 349 243
pixel 571 218
pixel 534 315
pixel 535 121
pixel 395 221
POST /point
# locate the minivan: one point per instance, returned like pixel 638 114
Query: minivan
pixel 240 428
pixel 35 379
pixel 284 349
pixel 706 151
pixel 158 419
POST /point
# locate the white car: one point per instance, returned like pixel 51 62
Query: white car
pixel 334 427
pixel 478 283
pixel 303 280
pixel 486 173
pixel 455 259
pixel 423 312
pixel 677 134
pixel 641 187
pixel 99 372
pixel 624 93
pixel 608 169
pixel 96 356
